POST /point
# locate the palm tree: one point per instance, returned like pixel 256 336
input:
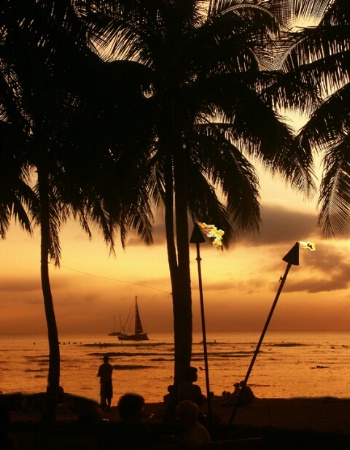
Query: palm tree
pixel 46 70
pixel 207 115
pixel 33 68
pixel 320 54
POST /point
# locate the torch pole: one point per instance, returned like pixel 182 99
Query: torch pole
pixel 283 280
pixel 203 332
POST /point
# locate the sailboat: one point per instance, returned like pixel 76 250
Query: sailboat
pixel 139 334
pixel 114 332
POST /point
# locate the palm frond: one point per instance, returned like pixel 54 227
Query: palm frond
pixel 232 174
pixel 329 123
pixel 334 197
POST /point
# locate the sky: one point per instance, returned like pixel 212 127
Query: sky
pixel 92 290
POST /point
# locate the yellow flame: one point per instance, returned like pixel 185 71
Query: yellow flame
pixel 308 245
pixel 212 232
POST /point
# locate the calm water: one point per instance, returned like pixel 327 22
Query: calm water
pixel 288 365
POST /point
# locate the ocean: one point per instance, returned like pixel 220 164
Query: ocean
pixel 289 364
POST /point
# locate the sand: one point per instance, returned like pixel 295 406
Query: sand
pixel 296 423
pixel 316 414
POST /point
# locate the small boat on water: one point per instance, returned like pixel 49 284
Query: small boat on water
pixel 139 334
pixel 114 332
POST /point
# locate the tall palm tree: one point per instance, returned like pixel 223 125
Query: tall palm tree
pixel 25 68
pixel 321 55
pixel 35 69
pixel 47 72
pixel 207 115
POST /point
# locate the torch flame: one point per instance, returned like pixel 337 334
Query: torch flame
pixel 212 232
pixel 308 245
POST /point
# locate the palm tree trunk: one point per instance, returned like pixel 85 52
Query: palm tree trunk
pixel 176 200
pixel 182 315
pixel 182 312
pixel 182 296
pixel 53 380
pixel 179 263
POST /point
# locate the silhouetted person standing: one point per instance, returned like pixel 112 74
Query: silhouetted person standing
pixel 106 386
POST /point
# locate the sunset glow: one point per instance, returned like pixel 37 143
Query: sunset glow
pixel 92 288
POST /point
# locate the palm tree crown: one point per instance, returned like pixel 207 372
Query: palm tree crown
pixel 207 115
pixel 321 55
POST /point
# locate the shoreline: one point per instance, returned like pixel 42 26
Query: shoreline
pixel 267 423
pixel 327 414
pixel 324 414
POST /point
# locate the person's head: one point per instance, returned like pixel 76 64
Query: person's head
pixel 190 374
pixel 106 358
pixel 186 413
pixel 130 406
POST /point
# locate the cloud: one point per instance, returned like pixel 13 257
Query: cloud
pixel 327 270
pixel 280 225
pixel 158 234
pixel 12 284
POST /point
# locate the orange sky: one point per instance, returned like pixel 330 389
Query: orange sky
pixel 240 285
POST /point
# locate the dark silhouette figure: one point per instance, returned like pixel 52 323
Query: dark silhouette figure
pixel 187 390
pixel 129 431
pixel 106 386
pixel 170 396
pixel 247 395
pixel 195 435
pixel 191 433
pixel 170 402
pixel 7 441
pixel 231 398
pixel 243 395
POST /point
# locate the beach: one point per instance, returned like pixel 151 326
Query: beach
pixel 295 423
pixel 300 380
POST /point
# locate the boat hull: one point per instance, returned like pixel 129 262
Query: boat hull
pixel 134 337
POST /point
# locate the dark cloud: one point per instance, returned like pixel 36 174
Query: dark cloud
pixel 33 284
pixel 234 285
pixel 84 299
pixel 327 270
pixel 280 225
pixel 158 236
pixel 318 285
pixel 20 284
